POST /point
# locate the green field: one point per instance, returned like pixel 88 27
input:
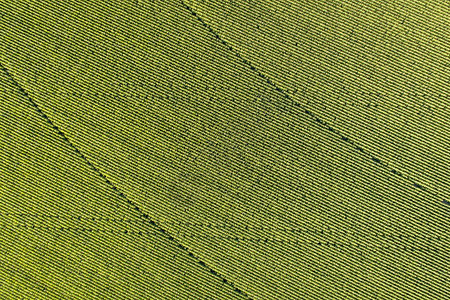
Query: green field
pixel 224 149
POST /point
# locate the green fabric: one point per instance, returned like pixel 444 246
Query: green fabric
pixel 224 149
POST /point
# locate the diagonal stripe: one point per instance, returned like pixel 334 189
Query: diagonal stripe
pixel 142 214
pixel 313 116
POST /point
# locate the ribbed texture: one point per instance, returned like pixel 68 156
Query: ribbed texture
pixel 224 149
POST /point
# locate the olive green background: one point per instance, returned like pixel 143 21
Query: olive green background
pixel 224 149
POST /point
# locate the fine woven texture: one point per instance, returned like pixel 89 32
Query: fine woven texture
pixel 224 149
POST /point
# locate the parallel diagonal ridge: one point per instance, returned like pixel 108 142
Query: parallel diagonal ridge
pixel 142 214
pixel 313 116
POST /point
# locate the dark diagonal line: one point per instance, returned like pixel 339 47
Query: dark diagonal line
pixel 313 116
pixel 120 193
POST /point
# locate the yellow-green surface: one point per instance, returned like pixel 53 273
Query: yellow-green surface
pixel 377 71
pixel 65 234
pixel 177 105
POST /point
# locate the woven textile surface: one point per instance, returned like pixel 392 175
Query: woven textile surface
pixel 233 149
